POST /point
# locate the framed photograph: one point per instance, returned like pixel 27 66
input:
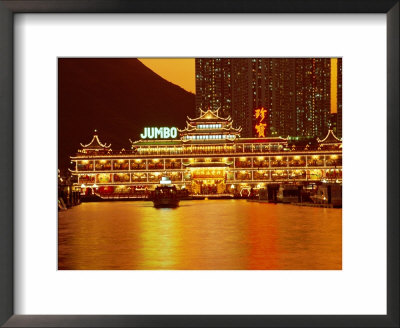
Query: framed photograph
pixel 199 164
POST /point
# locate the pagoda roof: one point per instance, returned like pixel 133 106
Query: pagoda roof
pixel 330 139
pixel 95 143
pixel 209 115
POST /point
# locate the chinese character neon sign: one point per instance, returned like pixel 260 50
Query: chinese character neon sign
pixel 261 125
pixel 163 133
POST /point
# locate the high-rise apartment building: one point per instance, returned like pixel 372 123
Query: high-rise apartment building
pixel 213 84
pixel 295 91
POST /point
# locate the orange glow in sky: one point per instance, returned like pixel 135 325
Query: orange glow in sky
pixel 180 71
pixel 334 85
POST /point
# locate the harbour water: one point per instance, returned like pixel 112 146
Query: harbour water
pixel 199 235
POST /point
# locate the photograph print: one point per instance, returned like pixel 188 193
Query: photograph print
pixel 200 164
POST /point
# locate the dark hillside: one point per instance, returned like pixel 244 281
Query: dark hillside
pixel 116 96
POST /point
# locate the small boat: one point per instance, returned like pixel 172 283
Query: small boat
pixel 165 195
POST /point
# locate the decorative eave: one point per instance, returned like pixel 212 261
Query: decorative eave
pixel 151 142
pixel 228 128
pixel 187 129
pixel 231 128
pixel 209 115
pixel 95 143
pixel 330 139
pixel 209 141
pixel 263 140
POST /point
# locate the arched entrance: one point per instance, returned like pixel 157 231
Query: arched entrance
pixel 208 180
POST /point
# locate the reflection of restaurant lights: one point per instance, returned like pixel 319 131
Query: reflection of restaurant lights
pixel 83 186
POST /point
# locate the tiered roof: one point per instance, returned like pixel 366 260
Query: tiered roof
pixel 330 139
pixel 95 144
pixel 210 117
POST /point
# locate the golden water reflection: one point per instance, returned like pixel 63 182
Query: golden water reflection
pixel 199 235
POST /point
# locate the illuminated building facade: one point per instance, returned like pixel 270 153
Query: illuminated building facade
pixel 213 84
pixel 209 157
pixel 295 91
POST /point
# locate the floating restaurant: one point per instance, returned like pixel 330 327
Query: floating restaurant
pixel 207 157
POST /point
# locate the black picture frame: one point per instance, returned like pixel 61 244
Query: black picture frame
pixel 10 7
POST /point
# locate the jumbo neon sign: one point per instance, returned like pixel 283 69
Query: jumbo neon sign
pixel 163 133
